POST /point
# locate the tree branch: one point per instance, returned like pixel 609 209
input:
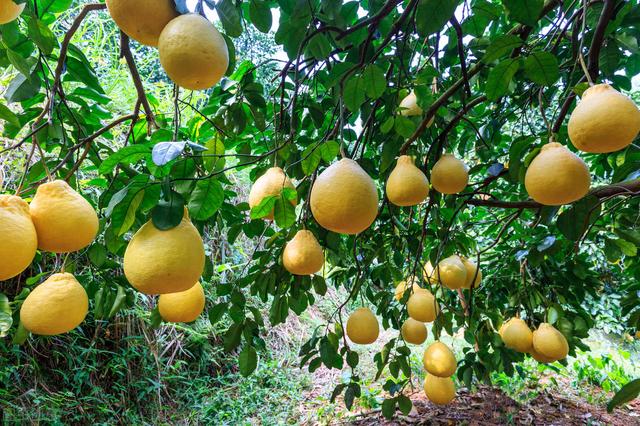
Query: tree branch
pixel 125 51
pixel 626 189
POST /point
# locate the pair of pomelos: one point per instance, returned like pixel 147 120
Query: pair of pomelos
pixel 192 51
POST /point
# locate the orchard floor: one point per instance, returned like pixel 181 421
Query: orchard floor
pixel 491 406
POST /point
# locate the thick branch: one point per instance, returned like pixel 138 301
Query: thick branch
pixel 594 58
pixel 125 50
pixel 630 189
pixel 64 47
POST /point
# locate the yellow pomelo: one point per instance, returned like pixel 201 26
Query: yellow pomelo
pixel 184 306
pixel 362 326
pixel 452 272
pixel 344 198
pixel 439 360
pixel 429 273
pixel 472 271
pixel 439 390
pixel 409 105
pixel 56 306
pixel 407 185
pixel 449 175
pixel 142 20
pixel 9 11
pixel 18 239
pixel 539 357
pixel 550 343
pixel 517 335
pixel 192 52
pixel 160 262
pixel 272 182
pixel 557 176
pixel 422 306
pixel 604 120
pixel 414 332
pixel 64 220
pixel 402 287
pixel 303 254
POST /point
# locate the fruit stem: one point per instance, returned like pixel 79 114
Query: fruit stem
pixel 585 69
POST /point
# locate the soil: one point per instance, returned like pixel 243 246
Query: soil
pixel 490 406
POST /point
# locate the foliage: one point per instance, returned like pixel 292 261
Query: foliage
pixel 498 77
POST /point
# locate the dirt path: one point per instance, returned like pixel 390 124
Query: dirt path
pixel 490 406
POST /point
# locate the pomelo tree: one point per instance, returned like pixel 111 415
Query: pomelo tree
pixel 478 87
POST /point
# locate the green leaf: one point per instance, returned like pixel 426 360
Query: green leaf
pixel 216 312
pixel 126 156
pixel 130 215
pixel 265 208
pixel 21 335
pixel 627 393
pixel 22 88
pixel 97 254
pixel 230 18
pixel 232 337
pixel 319 46
pixel 375 81
pixel 284 212
pixel 354 93
pixel 319 285
pixel 6 318
pixel 260 15
pixel 501 46
pixel 404 404
pixel 248 360
pixel 119 206
pixel 574 221
pixel 41 35
pixel 542 68
pixel 19 62
pixel 432 15
pixel 329 150
pixel 169 212
pixel 524 11
pixel 500 77
pixel 627 247
pixel 206 199
pixel 389 408
pixel 8 115
pixel 311 157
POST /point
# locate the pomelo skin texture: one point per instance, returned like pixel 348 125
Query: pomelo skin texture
pixel 550 343
pixel 344 199
pixel 18 238
pixel 10 11
pixel 409 107
pixel 517 335
pixel 362 326
pixel 142 20
pixel 272 182
pixel 407 185
pixel 449 175
pixel 303 254
pixel 604 120
pixel 557 176
pixel 471 267
pixel 56 306
pixel 402 287
pixel 439 360
pixel 422 306
pixel 452 273
pixel 439 390
pixel 160 262
pixel 185 306
pixel 414 332
pixel 192 52
pixel 65 222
